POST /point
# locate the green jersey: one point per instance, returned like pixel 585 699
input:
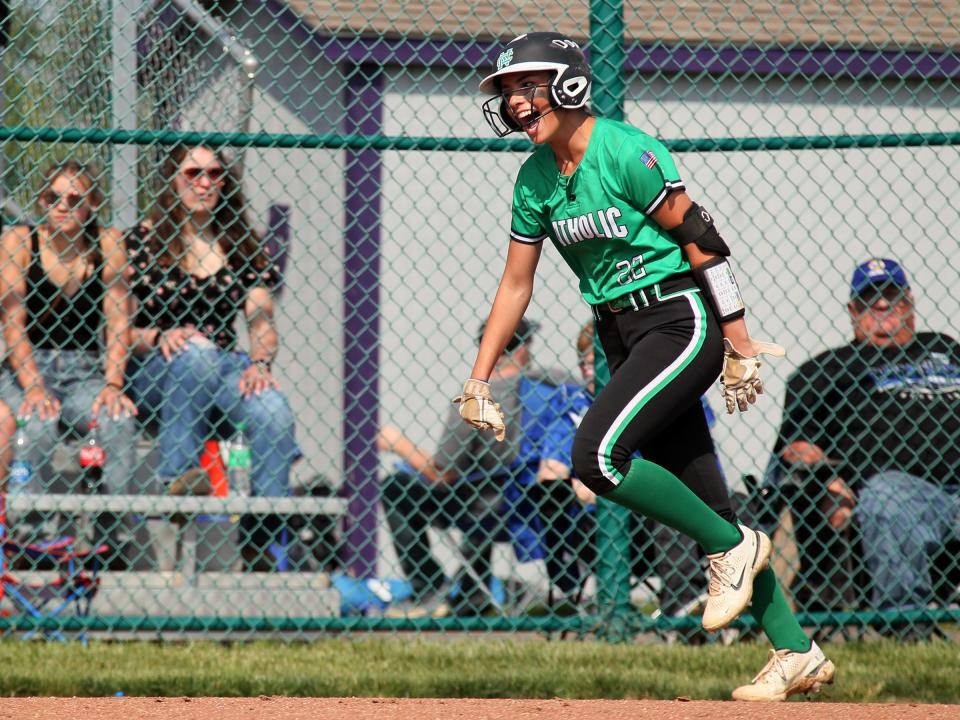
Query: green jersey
pixel 599 217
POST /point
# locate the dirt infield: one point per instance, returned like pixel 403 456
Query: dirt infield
pixel 277 708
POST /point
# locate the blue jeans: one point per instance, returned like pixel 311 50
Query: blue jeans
pixel 196 390
pixel 903 519
pixel 75 378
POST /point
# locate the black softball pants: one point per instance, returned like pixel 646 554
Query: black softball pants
pixel 662 358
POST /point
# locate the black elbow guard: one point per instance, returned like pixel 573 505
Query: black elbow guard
pixel 697 227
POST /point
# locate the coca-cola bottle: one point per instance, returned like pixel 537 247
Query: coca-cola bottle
pixel 92 460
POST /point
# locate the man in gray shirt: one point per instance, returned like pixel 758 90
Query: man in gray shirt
pixel 460 485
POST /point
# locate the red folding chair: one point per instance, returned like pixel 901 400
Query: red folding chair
pixel 74 587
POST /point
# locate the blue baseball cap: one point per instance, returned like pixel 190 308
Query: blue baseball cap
pixel 876 274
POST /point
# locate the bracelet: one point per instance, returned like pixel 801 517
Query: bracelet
pixel 266 364
pixel 118 386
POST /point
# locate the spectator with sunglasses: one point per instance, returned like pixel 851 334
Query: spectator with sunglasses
pixel 871 434
pixel 197 263
pixel 64 305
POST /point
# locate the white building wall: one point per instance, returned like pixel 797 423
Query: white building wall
pixel 798 222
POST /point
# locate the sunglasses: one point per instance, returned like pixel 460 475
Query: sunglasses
pixel 900 307
pixel 893 296
pixel 527 89
pixel 51 198
pixel 215 175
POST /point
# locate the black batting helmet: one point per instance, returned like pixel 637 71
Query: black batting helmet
pixel 535 52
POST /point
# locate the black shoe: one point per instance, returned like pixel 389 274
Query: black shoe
pixel 917 632
pixel 421 605
pixel 254 560
pixel 195 481
pixel 467 607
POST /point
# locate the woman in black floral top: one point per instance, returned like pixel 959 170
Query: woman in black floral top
pixel 196 264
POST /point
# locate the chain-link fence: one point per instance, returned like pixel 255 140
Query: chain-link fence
pixel 273 229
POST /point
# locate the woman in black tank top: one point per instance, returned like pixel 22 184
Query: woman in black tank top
pixel 64 305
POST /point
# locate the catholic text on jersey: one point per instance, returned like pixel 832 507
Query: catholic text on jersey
pixel 594 224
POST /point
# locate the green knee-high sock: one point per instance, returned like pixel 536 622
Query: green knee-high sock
pixel 770 609
pixel 654 491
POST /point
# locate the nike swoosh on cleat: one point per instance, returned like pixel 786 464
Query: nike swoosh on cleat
pixel 736 586
pixel 756 552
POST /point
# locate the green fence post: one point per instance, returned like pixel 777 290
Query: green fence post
pixel 607 58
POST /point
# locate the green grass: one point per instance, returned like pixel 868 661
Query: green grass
pixel 483 667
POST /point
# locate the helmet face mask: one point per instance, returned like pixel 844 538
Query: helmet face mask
pixel 498 117
pixel 538 52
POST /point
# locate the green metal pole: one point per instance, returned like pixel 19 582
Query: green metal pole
pixel 607 59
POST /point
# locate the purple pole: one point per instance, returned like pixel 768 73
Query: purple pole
pixel 278 240
pixel 363 101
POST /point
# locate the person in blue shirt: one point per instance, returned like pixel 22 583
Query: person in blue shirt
pixel 544 509
pixel 564 506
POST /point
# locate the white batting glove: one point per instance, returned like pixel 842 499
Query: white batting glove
pixel 740 381
pixel 477 408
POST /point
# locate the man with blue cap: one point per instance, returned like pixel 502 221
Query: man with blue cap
pixel 875 425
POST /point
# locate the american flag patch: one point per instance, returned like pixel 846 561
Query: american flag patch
pixel 648 159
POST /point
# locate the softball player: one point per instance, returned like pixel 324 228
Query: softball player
pixel 670 318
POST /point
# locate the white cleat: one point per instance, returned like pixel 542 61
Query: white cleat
pixel 788 673
pixel 731 578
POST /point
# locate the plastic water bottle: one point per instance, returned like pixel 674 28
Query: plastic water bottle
pixel 21 469
pixel 92 459
pixel 239 461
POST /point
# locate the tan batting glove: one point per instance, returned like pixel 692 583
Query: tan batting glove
pixel 740 381
pixel 478 409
